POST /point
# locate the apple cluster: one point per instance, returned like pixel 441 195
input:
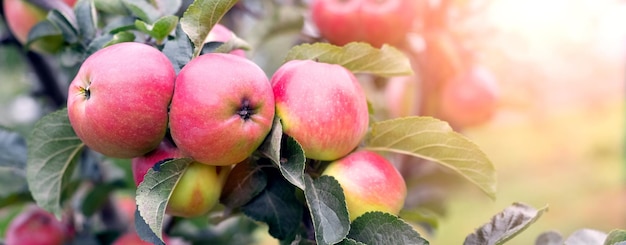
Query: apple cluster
pixel 127 101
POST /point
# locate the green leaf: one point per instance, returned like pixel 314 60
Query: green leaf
pixel 505 225
pixel 12 164
pixel 142 9
pixel 434 140
pixel 348 241
pixel 41 30
pixel 422 216
pixel 245 181
pixel 154 192
pixel 87 17
pixel 327 203
pixel 144 230
pixel 178 50
pixel 69 32
pixel 52 150
pixel 356 57
pixel 200 17
pixel 120 37
pixel 112 7
pixel 616 237
pixel 383 228
pixel 286 153
pixel 277 206
pixel 161 28
pixel 97 197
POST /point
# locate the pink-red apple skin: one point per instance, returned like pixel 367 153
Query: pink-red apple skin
pixel 470 99
pixel 402 96
pixel 223 108
pixel 373 21
pixel 220 33
pixel 370 183
pixel 35 226
pixel 118 102
pixel 198 189
pixel 322 106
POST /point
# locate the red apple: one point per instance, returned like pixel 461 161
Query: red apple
pixel 402 96
pixel 197 191
pixel 373 21
pixel 21 16
pixel 470 99
pixel 220 33
pixel 223 108
pixel 322 106
pixel 35 226
pixel 370 183
pixel 118 102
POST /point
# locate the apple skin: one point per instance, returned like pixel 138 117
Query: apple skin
pixel 35 226
pixel 118 102
pixel 470 99
pixel 222 109
pixel 373 21
pixel 220 33
pixel 322 106
pixel 198 189
pixel 370 183
pixel 402 96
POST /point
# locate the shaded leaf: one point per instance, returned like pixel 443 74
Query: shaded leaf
pixel 87 17
pixel 168 7
pixel 434 140
pixel 356 57
pixel 422 216
pixel 586 237
pixel 383 228
pixel 505 225
pixel 200 17
pixel 327 204
pixel 142 9
pixel 12 163
pixel 245 181
pixel 41 30
pixel 120 37
pixel 549 238
pixel 97 197
pixel 52 149
pixel 616 237
pixel 144 230
pixel 270 147
pixel 286 153
pixel 155 190
pixel 69 32
pixel 277 206
pixel 178 50
pixel 348 241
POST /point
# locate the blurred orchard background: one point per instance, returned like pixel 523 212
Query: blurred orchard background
pixel 556 138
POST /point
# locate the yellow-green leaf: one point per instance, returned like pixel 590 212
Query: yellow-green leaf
pixel 434 140
pixel 200 18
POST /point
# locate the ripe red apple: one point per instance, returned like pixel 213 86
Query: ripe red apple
pixel 197 191
pixel 220 33
pixel 118 101
pixel 402 96
pixel 370 183
pixel 322 106
pixel 223 108
pixel 35 226
pixel 21 16
pixel 373 21
pixel 469 99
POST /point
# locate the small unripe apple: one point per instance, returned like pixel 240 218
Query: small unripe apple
pixel 21 16
pixel 118 102
pixel 370 183
pixel 322 106
pixel 373 21
pixel 198 189
pixel 35 226
pixel 470 99
pixel 220 33
pixel 222 109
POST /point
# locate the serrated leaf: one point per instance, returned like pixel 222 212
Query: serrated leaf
pixel 12 164
pixel 154 192
pixel 586 237
pixel 434 140
pixel 200 17
pixel 52 149
pixel 286 153
pixel 505 225
pixel 383 228
pixel 327 204
pixel 245 181
pixel 161 28
pixel 178 50
pixel 144 231
pixel 277 206
pixel 616 237
pixel 120 37
pixel 87 18
pixel 142 9
pixel 549 238
pixel 69 31
pixel 356 57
